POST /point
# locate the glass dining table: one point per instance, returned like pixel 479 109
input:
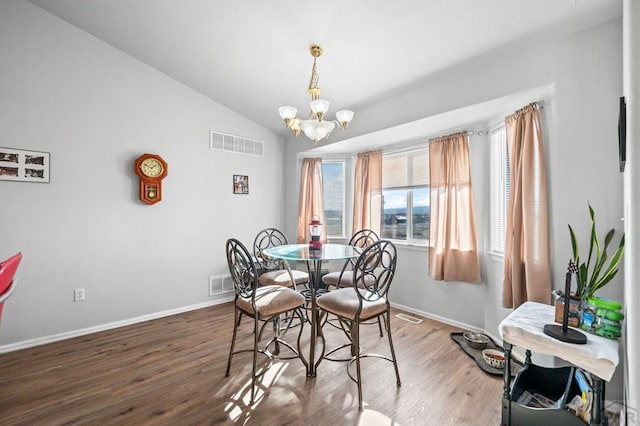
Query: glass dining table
pixel 313 259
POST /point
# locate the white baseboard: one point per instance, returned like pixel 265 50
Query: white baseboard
pixel 517 354
pixel 446 320
pixel 109 326
pixel 438 318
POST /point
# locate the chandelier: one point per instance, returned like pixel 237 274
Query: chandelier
pixel 316 128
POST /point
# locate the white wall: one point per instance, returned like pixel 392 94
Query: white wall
pixel 95 109
pixel 631 71
pixel 581 75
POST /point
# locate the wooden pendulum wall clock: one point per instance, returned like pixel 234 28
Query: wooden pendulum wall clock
pixel 151 169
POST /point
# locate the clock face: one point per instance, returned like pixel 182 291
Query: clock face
pixel 151 167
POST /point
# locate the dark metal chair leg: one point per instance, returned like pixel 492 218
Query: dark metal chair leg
pixel 255 358
pixel 276 334
pixel 355 334
pixel 236 323
pixel 393 352
pixel 320 337
pixel 298 313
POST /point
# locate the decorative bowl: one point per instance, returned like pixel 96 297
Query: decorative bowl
pixel 494 358
pixel 476 340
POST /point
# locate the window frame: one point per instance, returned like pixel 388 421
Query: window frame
pixel 407 151
pixel 343 162
pixel 499 185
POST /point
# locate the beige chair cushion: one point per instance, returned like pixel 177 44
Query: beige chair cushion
pixel 282 277
pixel 344 302
pixel 272 300
pixel 332 279
pixel 346 281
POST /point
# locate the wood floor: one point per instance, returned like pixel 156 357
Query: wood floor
pixel 170 371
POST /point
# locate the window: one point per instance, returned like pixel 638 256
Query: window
pixel 405 196
pixel 499 194
pixel 333 184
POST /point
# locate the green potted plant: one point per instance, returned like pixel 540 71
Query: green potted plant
pixel 595 273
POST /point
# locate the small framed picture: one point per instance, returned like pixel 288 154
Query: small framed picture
pixel 24 166
pixel 240 184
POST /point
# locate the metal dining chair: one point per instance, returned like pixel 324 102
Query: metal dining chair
pixel 365 300
pixel 264 304
pixel 275 271
pixel 344 278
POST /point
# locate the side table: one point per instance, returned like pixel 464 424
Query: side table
pixel 524 328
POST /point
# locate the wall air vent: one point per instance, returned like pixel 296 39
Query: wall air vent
pixel 232 143
pixel 408 318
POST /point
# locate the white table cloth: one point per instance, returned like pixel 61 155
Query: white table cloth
pixel 524 328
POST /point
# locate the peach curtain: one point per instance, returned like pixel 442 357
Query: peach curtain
pixel 311 198
pixel 453 253
pixel 527 275
pixel 367 192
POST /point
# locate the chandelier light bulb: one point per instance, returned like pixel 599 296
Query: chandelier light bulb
pixel 344 117
pixel 317 130
pixel 319 108
pixel 287 112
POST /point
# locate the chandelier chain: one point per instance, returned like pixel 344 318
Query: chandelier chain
pixel 313 89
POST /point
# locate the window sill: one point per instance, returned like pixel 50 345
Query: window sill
pixel 402 244
pixel 409 246
pixel 337 240
pixel 496 256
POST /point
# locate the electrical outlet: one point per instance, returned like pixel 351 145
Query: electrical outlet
pixel 78 295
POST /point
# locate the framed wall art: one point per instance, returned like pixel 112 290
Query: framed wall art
pixel 240 184
pixel 24 166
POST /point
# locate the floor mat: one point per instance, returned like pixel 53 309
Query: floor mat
pixel 476 354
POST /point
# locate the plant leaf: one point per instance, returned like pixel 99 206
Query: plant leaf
pixel 611 270
pixel 574 245
pixel 608 238
pixel 581 278
pixel 593 240
pixel 601 260
pixel 589 280
pixel 603 281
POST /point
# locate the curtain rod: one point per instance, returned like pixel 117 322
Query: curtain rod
pixel 417 143
pixel 453 132
pixel 421 140
pixel 538 104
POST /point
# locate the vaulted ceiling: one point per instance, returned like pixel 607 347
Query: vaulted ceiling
pixel 253 55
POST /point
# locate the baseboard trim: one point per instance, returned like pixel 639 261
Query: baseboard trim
pixel 496 339
pixel 438 318
pixel 25 344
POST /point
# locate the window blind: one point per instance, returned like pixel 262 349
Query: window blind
pixel 500 183
pixel 406 169
pixel 333 182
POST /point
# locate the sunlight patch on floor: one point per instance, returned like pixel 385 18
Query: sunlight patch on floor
pixel 240 402
pixel 375 418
